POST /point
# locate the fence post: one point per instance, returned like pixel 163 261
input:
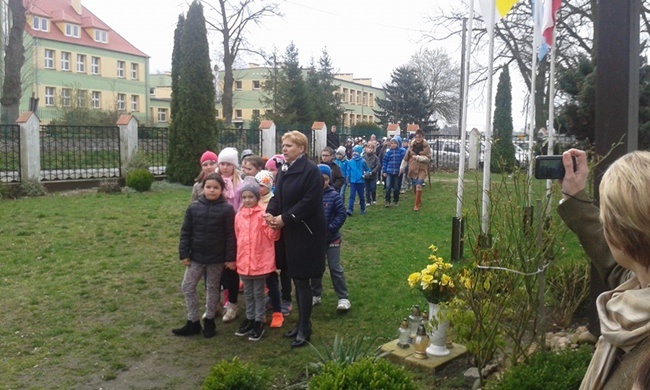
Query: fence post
pixel 319 131
pixel 268 138
pixel 30 146
pixel 474 148
pixel 128 140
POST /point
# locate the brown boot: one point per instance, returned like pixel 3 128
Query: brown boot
pixel 418 200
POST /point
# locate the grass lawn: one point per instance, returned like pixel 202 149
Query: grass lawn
pixel 90 287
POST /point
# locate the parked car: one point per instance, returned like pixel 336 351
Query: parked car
pixel 446 153
pixel 521 155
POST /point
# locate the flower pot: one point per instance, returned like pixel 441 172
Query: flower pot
pixel 438 336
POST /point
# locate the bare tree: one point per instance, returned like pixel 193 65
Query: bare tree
pixel 233 19
pixel 14 60
pixel 442 80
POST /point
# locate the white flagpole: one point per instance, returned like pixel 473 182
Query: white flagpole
pixel 551 115
pixel 485 217
pixel 463 119
pixel 531 120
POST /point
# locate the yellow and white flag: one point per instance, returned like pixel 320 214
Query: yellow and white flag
pixel 501 9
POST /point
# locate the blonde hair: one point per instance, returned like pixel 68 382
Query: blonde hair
pixel 625 205
pixel 297 138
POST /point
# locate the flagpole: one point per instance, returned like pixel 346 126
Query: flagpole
pixel 485 218
pixel 463 119
pixel 531 120
pixel 551 116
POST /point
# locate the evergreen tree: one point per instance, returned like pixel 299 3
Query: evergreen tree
pixel 286 91
pixel 329 109
pixel 270 89
pixel 406 100
pixel 194 128
pixel 503 151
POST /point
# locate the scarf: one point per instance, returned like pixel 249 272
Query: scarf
pixel 229 191
pixel 624 315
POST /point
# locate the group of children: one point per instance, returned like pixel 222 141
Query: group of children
pixel 225 238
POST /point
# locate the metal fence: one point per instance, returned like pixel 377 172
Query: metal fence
pixel 10 153
pixel 311 152
pixel 241 139
pixel 153 143
pixel 79 152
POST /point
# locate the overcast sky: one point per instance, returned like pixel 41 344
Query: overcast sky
pixel 364 37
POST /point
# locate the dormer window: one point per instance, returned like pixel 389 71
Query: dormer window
pixel 41 24
pixel 101 36
pixel 72 30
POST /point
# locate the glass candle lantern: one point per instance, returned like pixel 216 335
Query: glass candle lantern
pixel 421 343
pixel 403 331
pixel 414 321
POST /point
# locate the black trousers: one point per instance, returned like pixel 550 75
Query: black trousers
pixel 303 298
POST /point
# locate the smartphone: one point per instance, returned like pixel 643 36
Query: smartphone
pixel 550 167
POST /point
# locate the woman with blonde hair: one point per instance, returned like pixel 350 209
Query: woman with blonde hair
pixel 297 209
pixel 620 251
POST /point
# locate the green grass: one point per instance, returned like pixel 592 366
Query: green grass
pixel 90 287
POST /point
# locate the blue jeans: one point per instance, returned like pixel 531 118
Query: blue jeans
pixel 356 188
pixel 371 189
pixel 342 191
pixel 393 184
pixel 336 272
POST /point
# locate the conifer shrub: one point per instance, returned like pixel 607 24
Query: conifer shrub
pixel 236 375
pixel 140 180
pixel 367 374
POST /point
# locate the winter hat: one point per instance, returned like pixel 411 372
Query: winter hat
pixel 250 184
pixel 358 149
pixel 274 163
pixel 246 153
pixel 229 155
pixel 397 139
pixel 209 156
pixel 325 170
pixel 264 178
pixel 341 150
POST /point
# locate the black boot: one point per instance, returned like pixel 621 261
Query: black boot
pixel 209 329
pixel 190 328
pixel 302 339
pixel 292 333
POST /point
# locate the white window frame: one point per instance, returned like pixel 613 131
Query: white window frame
pixel 135 71
pixel 152 91
pixel 135 103
pixel 48 59
pixel 66 97
pixel 81 63
pixel 95 65
pixel 82 96
pixel 256 85
pixel 40 24
pixel 101 36
pixel 121 102
pixel 50 95
pixel 120 69
pixel 97 100
pixel 72 30
pixel 238 114
pixel 239 85
pixel 162 115
pixel 65 61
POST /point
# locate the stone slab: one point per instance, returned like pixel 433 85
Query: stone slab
pixel 431 363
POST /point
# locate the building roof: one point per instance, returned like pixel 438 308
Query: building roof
pixel 392 127
pixel 61 11
pixel 412 127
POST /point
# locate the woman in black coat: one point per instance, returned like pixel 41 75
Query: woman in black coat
pixel 297 209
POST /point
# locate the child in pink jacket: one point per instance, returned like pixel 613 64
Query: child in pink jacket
pixel 255 257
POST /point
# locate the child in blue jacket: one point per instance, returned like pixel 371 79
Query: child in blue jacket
pixel 335 217
pixel 391 169
pixel 357 169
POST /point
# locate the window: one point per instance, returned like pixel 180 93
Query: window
pixel 162 115
pixel 65 61
pixel 49 59
pixel 217 114
pixel 134 71
pixel 97 100
pixel 238 85
pixel 256 113
pixel 66 93
pixel 351 97
pixel 95 65
pixel 135 99
pixel 101 36
pixel 40 24
pixel 72 30
pixel 81 98
pixel 120 69
pixel 121 102
pixel 81 63
pixel 238 114
pixel 256 84
pixel 269 113
pixel 152 91
pixel 49 96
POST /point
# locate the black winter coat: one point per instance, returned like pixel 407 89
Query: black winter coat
pixel 208 232
pixel 298 197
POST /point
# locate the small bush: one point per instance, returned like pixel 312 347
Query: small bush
pixel 346 353
pixel 548 371
pixel 364 374
pixel 235 375
pixel 109 187
pixel 30 188
pixel 567 289
pixel 138 161
pixel 140 180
